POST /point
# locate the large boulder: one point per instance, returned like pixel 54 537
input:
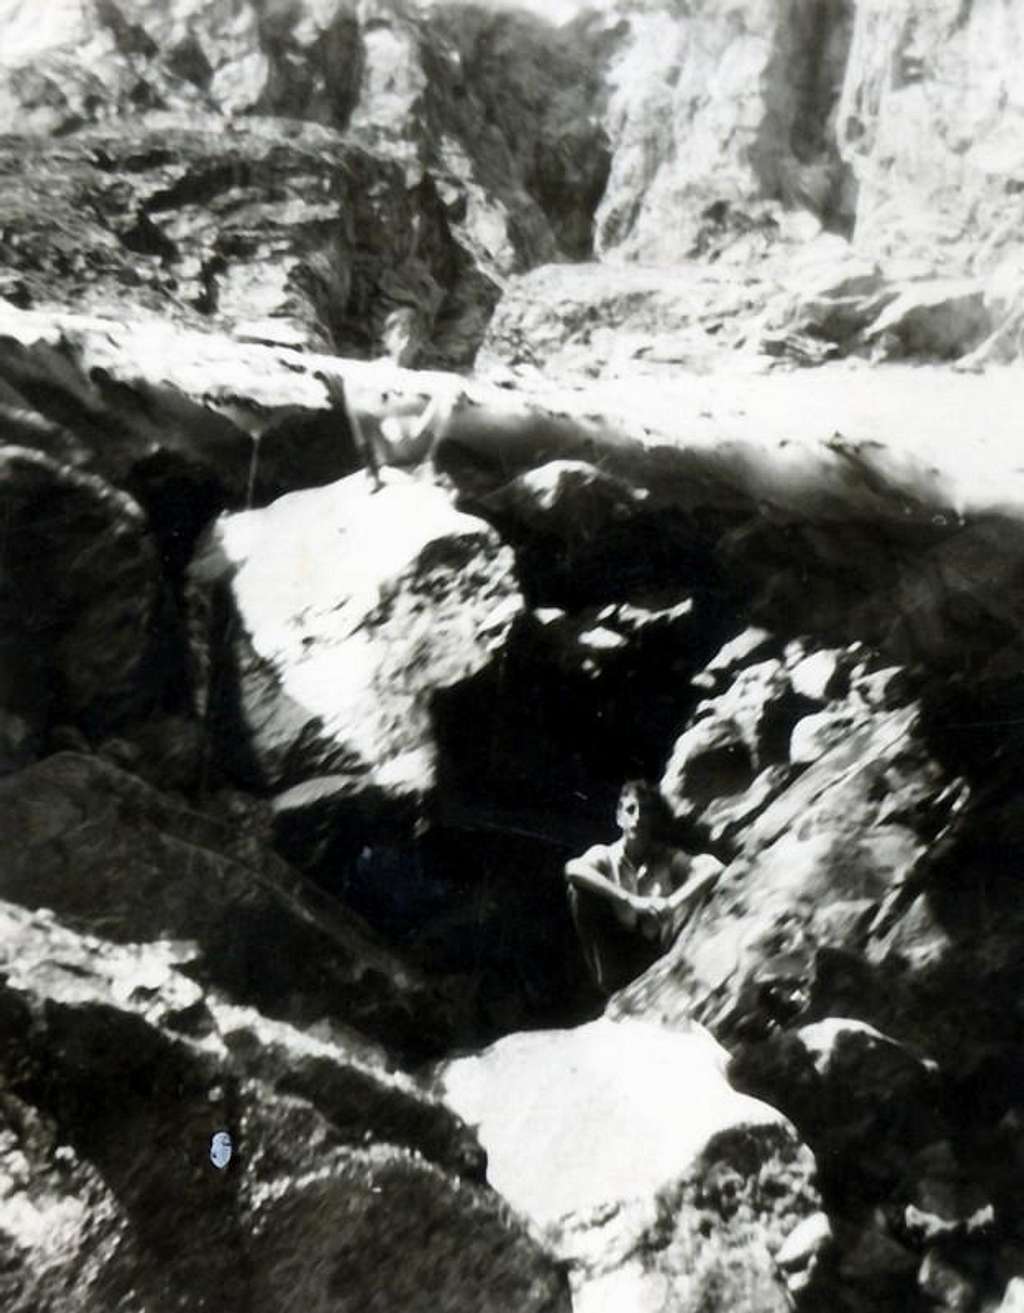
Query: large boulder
pixel 353 649
pixel 616 1133
pixel 337 614
pixel 119 1070
pixel 583 535
pixel 863 1102
pixel 108 854
pixel 941 319
pixel 832 295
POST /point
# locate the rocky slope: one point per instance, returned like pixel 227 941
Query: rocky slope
pixel 500 140
pixel 710 1181
pixel 828 696
pixel 290 767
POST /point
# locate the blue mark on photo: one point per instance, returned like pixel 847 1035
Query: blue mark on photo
pixel 220 1150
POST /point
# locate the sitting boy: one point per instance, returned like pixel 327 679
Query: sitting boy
pixel 630 899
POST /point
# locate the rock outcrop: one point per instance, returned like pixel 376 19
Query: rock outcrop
pixel 166 979
pixel 935 169
pixel 832 1002
pixel 291 768
pixel 714 118
pixel 499 140
pixel 345 611
pixel 670 1193
pixel 342 192
pixel 118 1071
pixel 82 602
pixel 282 234
pixel 111 856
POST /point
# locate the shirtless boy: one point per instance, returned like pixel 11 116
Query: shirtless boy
pixel 403 438
pixel 630 899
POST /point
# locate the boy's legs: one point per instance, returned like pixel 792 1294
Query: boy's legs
pixel 613 954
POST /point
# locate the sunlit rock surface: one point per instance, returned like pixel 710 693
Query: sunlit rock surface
pixel 119 1069
pixel 935 167
pixel 721 110
pixel 346 609
pixel 614 1134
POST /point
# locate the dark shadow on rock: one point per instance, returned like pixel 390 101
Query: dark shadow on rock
pixel 484 904
pixel 146 867
pixel 514 69
pixel 126 1097
pixel 216 679
pixel 323 86
pixel 302 449
pixel 544 741
pixel 794 154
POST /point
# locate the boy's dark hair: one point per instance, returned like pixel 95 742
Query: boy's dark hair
pixel 649 797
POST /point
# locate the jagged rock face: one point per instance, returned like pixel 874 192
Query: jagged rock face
pixel 278 232
pixel 670 134
pixel 346 610
pixel 711 112
pixel 462 207
pixel 108 854
pixel 841 954
pixel 119 1070
pixel 852 816
pixel 538 90
pixel 936 169
pixel 626 1174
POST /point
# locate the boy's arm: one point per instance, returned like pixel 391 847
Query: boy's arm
pixel 590 872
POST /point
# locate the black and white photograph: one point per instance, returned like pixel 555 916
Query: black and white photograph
pixel 511 656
